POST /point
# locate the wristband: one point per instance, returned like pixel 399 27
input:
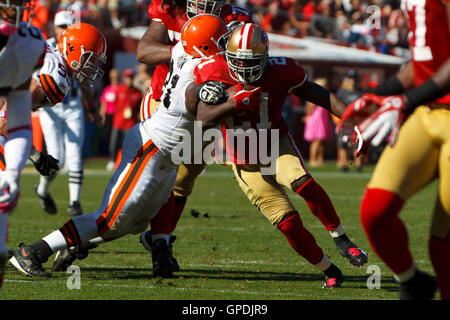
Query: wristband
pixel 390 87
pixel 3 114
pixel 426 92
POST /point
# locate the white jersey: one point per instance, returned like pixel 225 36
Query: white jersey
pixel 20 57
pixel 171 121
pixel 53 76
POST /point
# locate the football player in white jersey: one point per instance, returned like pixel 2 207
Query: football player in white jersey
pixel 143 181
pixel 21 51
pixel 63 124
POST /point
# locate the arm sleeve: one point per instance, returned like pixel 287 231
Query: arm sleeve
pixel 51 89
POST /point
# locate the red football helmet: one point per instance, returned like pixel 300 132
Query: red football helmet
pixel 200 35
pixel 84 49
pixel 194 7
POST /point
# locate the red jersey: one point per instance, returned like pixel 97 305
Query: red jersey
pixel 430 38
pixel 174 19
pixel 281 77
pixel 126 107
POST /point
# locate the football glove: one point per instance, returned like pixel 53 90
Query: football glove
pixel 384 123
pixel 9 185
pixel 247 100
pixel 359 109
pixel 212 92
pixel 45 164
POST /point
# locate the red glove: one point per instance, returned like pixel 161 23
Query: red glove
pixel 384 123
pixel 360 108
pixel 246 100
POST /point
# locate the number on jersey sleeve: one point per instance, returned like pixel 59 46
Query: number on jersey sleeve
pixel 213 69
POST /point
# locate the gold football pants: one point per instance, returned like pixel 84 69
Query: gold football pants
pixel 420 155
pixel 266 192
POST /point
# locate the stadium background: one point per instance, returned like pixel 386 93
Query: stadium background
pixel 329 38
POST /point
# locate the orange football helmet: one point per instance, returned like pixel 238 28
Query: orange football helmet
pixel 200 36
pixel 247 52
pixel 84 49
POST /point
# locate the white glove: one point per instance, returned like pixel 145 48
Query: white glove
pixel 387 120
pixel 9 185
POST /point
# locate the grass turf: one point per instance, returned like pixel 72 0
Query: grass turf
pixel 232 252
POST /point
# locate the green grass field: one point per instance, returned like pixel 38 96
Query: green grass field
pixel 232 253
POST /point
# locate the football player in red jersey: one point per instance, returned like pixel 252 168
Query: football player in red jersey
pixel 168 18
pixel 417 154
pixel 246 61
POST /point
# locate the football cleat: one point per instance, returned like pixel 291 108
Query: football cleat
pixel 349 250
pixel 146 241
pixel 65 257
pixel 422 286
pixel 26 261
pixel 333 277
pixel 75 209
pixel 47 203
pixel 164 264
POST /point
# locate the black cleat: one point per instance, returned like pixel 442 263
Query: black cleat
pixel 349 250
pixel 422 286
pixel 65 257
pixel 75 209
pixel 333 277
pixel 47 203
pixel 26 261
pixel 164 264
pixel 146 241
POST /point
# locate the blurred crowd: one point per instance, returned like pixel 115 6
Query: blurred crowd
pixel 372 24
pixel 376 25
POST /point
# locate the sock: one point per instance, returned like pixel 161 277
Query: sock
pixel 43 250
pixel 324 264
pixel 75 183
pixel 440 258
pixel 180 203
pixel 55 240
pixel 319 203
pixel 384 229
pixel 406 275
pixel 300 239
pixel 339 231
pixel 44 185
pixel 161 236
pixel 97 240
pixel 161 223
